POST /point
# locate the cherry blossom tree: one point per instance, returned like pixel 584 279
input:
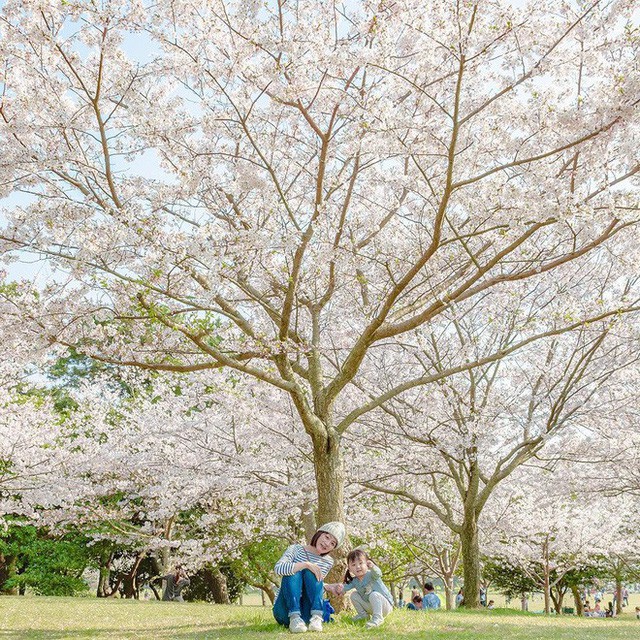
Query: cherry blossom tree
pixel 160 474
pixel 450 448
pixel 603 467
pixel 29 422
pixel 553 530
pixel 28 458
pixel 190 471
pixel 613 466
pixel 290 189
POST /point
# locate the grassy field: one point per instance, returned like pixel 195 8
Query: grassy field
pixel 536 604
pixel 33 618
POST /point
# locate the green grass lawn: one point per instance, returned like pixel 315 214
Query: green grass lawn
pixel 38 618
pixel 536 603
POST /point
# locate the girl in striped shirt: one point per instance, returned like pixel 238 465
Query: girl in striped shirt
pixel 303 569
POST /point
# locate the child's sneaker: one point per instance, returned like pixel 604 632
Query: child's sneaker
pixel 374 622
pixel 315 624
pixel 297 625
pixel 360 616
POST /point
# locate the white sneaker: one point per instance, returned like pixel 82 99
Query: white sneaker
pixel 373 623
pixel 315 624
pixel 297 625
pixel 360 616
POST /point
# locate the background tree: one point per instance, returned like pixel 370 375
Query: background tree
pixel 554 532
pixel 450 448
pixel 45 564
pixel 508 578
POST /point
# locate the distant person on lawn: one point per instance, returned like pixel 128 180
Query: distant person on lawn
pixel 174 584
pixel 303 569
pixel 430 600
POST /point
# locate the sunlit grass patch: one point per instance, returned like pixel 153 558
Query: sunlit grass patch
pixel 31 618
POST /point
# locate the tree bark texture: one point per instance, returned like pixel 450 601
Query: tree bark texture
pixel 217 582
pixel 8 570
pixel 329 472
pixel 547 572
pixel 471 562
pixel 577 599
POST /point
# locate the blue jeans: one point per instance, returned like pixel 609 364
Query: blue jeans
pixel 300 594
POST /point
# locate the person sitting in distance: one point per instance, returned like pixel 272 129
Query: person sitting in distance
pixel 175 583
pixel 430 599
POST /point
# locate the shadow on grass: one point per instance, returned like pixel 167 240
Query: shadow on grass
pixel 256 632
pixel 205 632
pixel 502 626
pixel 174 632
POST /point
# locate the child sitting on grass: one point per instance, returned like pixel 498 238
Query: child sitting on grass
pixel 371 596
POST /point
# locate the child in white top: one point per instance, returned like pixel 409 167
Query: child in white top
pixel 371 595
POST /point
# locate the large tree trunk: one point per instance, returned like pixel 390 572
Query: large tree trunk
pixel 547 572
pixel 470 561
pixel 8 565
pixel 131 588
pixel 103 582
pixel 448 592
pixel 577 599
pixel 103 590
pixel 329 472
pixel 618 594
pixel 557 596
pixel 164 557
pixel 217 582
pixel 128 584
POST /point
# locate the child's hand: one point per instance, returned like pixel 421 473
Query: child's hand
pixel 370 564
pixel 338 589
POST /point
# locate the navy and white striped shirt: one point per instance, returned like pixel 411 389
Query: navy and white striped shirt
pixel 297 553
